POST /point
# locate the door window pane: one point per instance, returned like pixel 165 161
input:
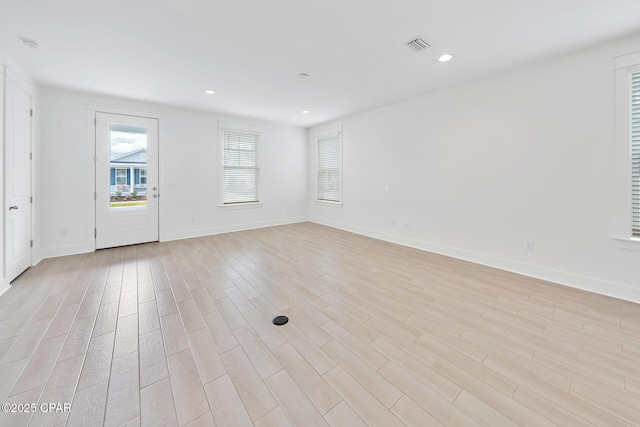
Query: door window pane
pixel 128 158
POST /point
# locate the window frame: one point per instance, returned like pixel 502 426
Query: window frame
pixel 125 176
pixel 326 135
pixel 625 67
pixel 247 130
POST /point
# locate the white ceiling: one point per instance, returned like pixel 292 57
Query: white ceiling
pixel 251 51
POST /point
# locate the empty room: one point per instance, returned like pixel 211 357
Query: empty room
pixel 340 213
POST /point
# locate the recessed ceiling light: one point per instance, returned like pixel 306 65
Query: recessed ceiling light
pixel 446 57
pixel 30 43
pixel 209 91
pixel 305 111
pixel 303 75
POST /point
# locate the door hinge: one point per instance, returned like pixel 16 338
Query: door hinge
pixel 32 243
pixel 31 112
pixel 94 196
pixel 31 199
pixel 95 232
pixel 94 122
pixel 30 156
pixel 95 159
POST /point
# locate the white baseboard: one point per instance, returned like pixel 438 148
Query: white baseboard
pixel 188 234
pixel 611 289
pixel 4 286
pixel 83 249
pixel 603 287
pixel 64 251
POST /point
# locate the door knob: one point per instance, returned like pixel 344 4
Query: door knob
pixel 154 196
pixel 13 207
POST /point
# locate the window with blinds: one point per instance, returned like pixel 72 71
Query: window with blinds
pixel 240 167
pixel 330 168
pixel 635 154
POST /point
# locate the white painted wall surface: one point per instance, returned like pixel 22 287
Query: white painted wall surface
pixel 189 166
pixel 478 170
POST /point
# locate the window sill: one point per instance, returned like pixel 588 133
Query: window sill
pixel 631 243
pixel 328 203
pixel 234 206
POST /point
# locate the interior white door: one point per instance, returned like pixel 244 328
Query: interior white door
pixel 17 179
pixel 126 180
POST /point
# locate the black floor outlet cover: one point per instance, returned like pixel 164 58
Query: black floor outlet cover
pixel 280 320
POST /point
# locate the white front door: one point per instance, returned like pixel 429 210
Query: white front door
pixel 17 180
pixel 126 180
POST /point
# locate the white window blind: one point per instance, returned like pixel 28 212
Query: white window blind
pixel 330 168
pixel 240 167
pixel 635 154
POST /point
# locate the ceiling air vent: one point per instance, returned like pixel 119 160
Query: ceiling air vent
pixel 417 44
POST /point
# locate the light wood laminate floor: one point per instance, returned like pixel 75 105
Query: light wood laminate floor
pixel 180 333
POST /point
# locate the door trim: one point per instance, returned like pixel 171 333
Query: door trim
pixel 92 109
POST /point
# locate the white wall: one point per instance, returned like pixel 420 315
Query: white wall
pixel 478 170
pixel 189 163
